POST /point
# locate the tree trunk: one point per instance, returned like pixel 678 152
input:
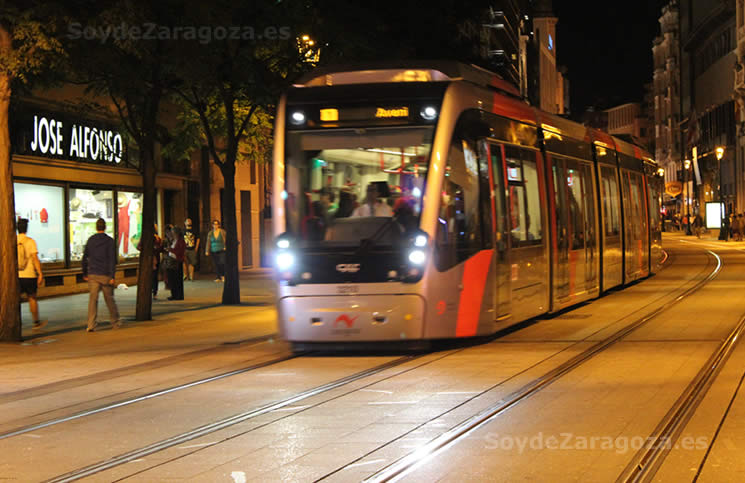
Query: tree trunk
pixel 204 175
pixel 231 294
pixel 144 306
pixel 10 315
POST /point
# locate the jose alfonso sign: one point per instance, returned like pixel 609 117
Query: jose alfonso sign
pixel 62 136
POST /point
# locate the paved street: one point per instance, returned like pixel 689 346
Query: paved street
pixel 208 393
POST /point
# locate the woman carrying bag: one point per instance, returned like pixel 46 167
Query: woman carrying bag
pixel 215 247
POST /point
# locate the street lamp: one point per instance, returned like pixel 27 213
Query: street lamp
pixel 687 196
pixel 723 228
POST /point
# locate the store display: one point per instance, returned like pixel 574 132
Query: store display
pixel 43 206
pixel 87 206
pixel 129 213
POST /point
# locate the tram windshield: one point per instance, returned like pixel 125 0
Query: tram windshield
pixel 349 185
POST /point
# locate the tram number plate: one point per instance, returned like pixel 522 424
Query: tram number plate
pixel 347 289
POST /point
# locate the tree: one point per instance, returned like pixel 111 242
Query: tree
pixel 134 74
pixel 28 49
pixel 231 83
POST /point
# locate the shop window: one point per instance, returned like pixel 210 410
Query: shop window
pixel 87 206
pixel 43 206
pixel 129 217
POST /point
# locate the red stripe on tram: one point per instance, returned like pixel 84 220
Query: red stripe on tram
pixel 475 272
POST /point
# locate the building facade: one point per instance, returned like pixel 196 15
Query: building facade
pixel 707 62
pixel 666 94
pixel 552 86
pixel 629 121
pixel 739 88
pixel 72 166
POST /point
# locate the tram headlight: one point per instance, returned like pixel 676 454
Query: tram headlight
pixel 285 261
pixel 297 118
pixel 428 113
pixel 417 257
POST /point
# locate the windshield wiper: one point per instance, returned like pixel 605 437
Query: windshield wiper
pixel 368 243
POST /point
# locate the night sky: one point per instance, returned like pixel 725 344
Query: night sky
pixel 607 48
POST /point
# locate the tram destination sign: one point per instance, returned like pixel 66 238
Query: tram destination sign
pixel 61 136
pixel 344 115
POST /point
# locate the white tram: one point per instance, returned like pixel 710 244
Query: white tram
pixel 428 201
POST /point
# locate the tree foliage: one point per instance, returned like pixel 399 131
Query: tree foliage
pixel 231 89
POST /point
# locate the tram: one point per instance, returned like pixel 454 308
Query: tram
pixel 427 200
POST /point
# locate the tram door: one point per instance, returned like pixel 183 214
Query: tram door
pixel 496 155
pixel 575 270
pixel 635 224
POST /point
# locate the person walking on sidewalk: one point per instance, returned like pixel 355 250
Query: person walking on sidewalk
pixel 157 250
pixel 215 247
pixel 175 266
pixel 191 239
pixel 29 271
pixel 99 267
pixel 698 225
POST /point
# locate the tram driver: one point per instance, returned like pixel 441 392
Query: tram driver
pixel 373 205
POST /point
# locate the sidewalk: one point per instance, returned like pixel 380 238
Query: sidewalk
pixel 711 235
pixel 69 312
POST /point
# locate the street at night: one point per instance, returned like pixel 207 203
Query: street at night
pixel 213 395
pixel 372 241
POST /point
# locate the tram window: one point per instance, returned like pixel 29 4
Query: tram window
pixel 610 201
pixel 524 197
pixel 459 223
pixel 533 198
pixel 342 184
pixel 637 198
pixel 654 202
pixel 576 218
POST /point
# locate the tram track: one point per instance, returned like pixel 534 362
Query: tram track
pixel 224 423
pixel 98 377
pixel 230 421
pixel 413 460
pixel 151 395
pixel 242 417
pixel 648 459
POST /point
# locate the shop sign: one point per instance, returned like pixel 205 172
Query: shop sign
pixel 61 137
pixel 673 188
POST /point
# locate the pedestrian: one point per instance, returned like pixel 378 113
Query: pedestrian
pixel 29 271
pixel 99 269
pixel 176 265
pixel 741 226
pixel 215 247
pixel 698 224
pixel 166 242
pixel 191 240
pixel 157 250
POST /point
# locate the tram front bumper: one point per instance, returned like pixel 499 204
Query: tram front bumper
pixel 351 318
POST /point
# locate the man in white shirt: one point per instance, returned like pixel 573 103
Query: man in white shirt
pixel 372 205
pixel 29 271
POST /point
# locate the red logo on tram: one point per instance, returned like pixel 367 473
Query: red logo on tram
pixel 345 318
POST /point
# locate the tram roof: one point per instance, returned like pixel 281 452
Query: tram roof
pixel 405 71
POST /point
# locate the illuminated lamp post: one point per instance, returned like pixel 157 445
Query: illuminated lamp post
pixel 687 197
pixel 722 230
